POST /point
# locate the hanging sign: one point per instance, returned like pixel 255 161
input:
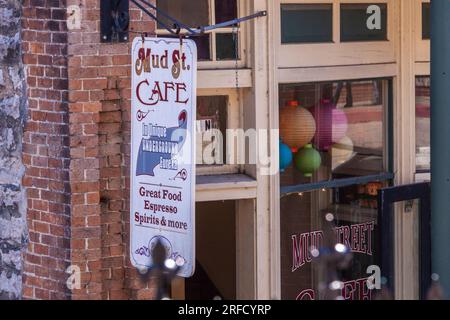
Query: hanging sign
pixel 163 151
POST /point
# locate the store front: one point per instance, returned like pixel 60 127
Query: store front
pixel 356 171
pixel 342 96
pixel 351 102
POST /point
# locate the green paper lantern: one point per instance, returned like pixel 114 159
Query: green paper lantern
pixel 308 160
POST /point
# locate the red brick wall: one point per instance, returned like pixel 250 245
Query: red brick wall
pixel 77 147
pixel 45 149
pixel 99 105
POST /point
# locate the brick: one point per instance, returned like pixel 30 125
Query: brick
pixel 79 92
pixel 92 84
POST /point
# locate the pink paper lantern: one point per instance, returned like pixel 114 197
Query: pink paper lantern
pixel 332 125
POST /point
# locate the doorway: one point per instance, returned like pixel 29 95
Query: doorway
pixel 215 274
pixel 407 206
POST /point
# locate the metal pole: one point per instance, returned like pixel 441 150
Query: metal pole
pixel 440 141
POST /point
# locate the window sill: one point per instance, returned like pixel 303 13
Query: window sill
pixel 225 187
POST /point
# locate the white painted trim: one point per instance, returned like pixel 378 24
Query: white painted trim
pixel 339 53
pixel 224 78
pixel 225 187
pixel 332 73
pixel 422 47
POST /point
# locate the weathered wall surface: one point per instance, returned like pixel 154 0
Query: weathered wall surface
pixel 13 231
pixel 76 152
pixel 99 118
pixel 46 149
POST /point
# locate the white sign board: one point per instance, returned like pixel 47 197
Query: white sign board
pixel 163 151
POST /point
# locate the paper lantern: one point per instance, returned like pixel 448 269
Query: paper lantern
pixel 308 160
pixel 286 156
pixel 332 124
pixel 341 152
pixel 297 125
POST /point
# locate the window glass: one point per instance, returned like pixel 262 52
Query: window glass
pixel 192 13
pixel 306 23
pixel 226 10
pixel 203 47
pixel 426 24
pixel 320 220
pixel 342 121
pixel 197 13
pixel 226 46
pixel 329 132
pixel 211 129
pixel 423 129
pixel 359 25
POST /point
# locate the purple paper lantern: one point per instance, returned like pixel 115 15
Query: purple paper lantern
pixel 332 125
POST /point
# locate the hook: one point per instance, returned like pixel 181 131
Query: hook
pixel 181 39
pixel 143 36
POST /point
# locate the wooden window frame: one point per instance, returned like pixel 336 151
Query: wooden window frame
pixel 338 53
pixel 241 31
pixel 422 46
pixel 234 120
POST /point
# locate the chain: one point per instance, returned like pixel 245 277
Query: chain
pixel 236 56
pixel 236 66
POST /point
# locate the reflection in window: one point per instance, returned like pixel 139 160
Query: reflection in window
pixel 306 23
pixel 354 19
pixel 304 227
pixel 426 23
pixel 423 150
pixel 226 10
pixel 196 13
pixel 342 121
pixel 211 129
pixel 331 131
pixel 191 13
pixel 226 45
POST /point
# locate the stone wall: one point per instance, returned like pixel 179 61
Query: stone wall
pixel 13 231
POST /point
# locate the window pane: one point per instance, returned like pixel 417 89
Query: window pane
pixel 203 47
pixel 426 24
pixel 303 23
pixel 193 13
pixel 343 123
pixel 423 129
pixel 226 46
pixel 226 10
pixel 354 23
pixel 331 131
pixel 211 129
pixel 304 227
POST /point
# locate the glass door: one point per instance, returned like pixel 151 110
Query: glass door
pixel 407 248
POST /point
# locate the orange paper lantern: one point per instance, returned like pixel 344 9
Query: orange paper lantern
pixel 297 125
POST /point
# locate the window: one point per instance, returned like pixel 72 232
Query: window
pixel 343 121
pixel 426 23
pixel 217 112
pixel 334 132
pixel 423 129
pixel 219 45
pixel 211 126
pixel 306 23
pixel 354 23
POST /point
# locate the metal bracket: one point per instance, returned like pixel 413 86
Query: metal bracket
pixel 178 26
pixel 114 20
